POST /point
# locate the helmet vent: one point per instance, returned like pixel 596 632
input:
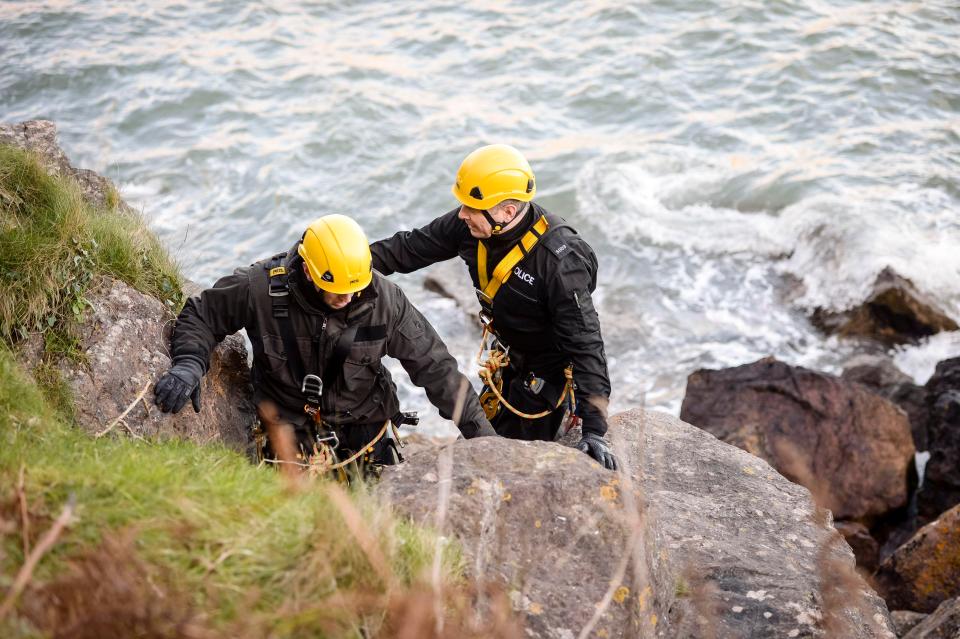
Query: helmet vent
pixel 327 277
pixel 529 185
pixel 475 192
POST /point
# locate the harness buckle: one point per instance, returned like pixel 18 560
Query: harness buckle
pixel 312 388
pixel 485 299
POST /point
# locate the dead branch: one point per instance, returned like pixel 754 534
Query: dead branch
pixel 24 513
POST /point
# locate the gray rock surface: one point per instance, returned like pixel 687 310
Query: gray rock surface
pixel 695 538
pixel 941 485
pixel 906 620
pixel 125 338
pixel 944 623
pixel 451 280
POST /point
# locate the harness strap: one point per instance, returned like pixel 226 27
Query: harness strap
pixel 334 365
pixel 489 285
pixel 279 291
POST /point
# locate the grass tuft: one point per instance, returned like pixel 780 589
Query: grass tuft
pixel 54 244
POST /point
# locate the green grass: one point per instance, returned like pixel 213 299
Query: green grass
pixel 229 532
pixel 54 244
pixel 230 544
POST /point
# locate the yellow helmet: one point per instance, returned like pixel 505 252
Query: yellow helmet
pixel 492 174
pixel 337 254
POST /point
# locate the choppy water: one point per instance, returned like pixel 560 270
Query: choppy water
pixel 713 153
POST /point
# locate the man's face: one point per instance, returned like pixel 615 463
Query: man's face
pixel 333 300
pixel 476 222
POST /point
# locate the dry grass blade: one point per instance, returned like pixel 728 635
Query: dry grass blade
pixel 24 514
pixel 120 417
pixel 45 544
pixel 354 520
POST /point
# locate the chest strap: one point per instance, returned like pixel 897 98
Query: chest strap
pixel 489 285
pixel 279 291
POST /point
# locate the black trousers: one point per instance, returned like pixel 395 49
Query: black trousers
pixel 508 424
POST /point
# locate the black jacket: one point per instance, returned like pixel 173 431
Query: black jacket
pixel 543 312
pixel 387 324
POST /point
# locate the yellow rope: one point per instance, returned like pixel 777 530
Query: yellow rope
pixel 339 465
pixel 497 360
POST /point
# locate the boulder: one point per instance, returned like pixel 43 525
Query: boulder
pixel 944 623
pixel 880 375
pixel 125 339
pixel 941 481
pixel 450 279
pixel 692 538
pixel 925 571
pixel 850 447
pixel 865 547
pixel 906 620
pixel 895 312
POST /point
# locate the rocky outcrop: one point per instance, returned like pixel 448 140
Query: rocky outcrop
pixel 880 375
pixel 941 484
pixel 925 571
pixel 125 339
pixel 850 447
pixel 944 623
pixel 40 136
pixel 895 312
pixel 694 538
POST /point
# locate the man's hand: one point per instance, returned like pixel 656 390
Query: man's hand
pixel 179 383
pixel 595 446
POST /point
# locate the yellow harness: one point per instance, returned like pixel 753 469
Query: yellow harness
pixel 490 374
pixel 489 285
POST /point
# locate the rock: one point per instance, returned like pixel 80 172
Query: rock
pixel 40 136
pixel 865 547
pixel 905 620
pixel 694 538
pixel 850 447
pixel 941 482
pixel 125 340
pixel 926 570
pixel 450 279
pixel 944 623
pixel 880 375
pixel 895 312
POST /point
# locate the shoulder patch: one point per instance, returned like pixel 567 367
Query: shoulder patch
pixel 558 241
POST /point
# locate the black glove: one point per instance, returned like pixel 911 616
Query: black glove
pixel 179 383
pixel 595 446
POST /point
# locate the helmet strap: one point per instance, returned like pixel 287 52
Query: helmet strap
pixel 496 228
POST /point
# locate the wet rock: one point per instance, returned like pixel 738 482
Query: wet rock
pixel 880 375
pixel 944 623
pixel 694 538
pixel 905 620
pixel 895 312
pixel 865 547
pixel 125 340
pixel 40 136
pixel 850 447
pixel 925 571
pixel 941 484
pixel 450 279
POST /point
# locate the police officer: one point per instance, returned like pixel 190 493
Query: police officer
pixel 534 275
pixel 318 313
